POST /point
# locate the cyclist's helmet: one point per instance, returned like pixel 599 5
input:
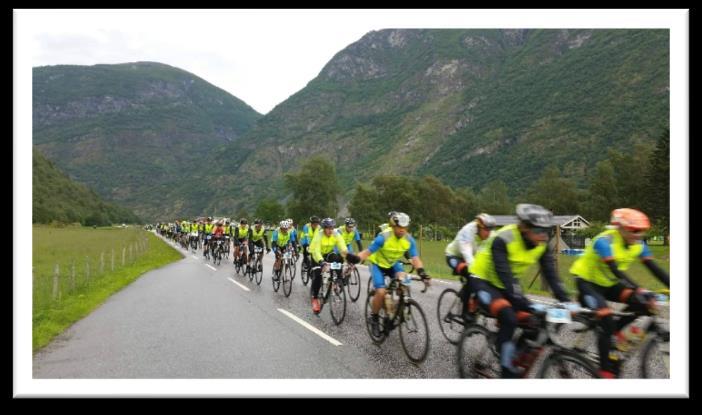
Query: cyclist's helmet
pixel 209 218
pixel 350 222
pixel 400 219
pixel 391 213
pixel 630 219
pixel 258 221
pixel 534 215
pixel 314 219
pixel 284 224
pixel 328 223
pixel 486 221
pixel 243 221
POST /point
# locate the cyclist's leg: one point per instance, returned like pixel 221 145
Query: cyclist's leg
pixel 492 300
pixel 316 279
pixel 590 295
pixel 459 267
pixel 378 275
pixel 626 295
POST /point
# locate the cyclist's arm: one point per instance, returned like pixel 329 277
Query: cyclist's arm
pixel 548 268
pixel 603 248
pixel 466 238
pixel 341 245
pixel 658 272
pixel 274 240
pixel 265 239
pixel 358 241
pixel 377 243
pixel 414 257
pixel 499 256
pixel 316 248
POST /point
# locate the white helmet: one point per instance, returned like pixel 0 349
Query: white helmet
pixel 284 224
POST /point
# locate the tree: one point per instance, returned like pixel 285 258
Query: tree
pixel 270 211
pixel 554 192
pixel 602 196
pixel 657 202
pixel 315 188
pixel 493 199
pixel 629 169
pixel 364 207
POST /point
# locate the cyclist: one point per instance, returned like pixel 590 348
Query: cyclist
pixel 293 231
pixel 325 247
pixel 599 276
pixel 208 232
pixel 308 233
pixel 241 235
pixel 384 227
pixel 350 234
pixel 281 238
pixel 496 269
pixel 385 253
pixel 460 252
pixel 217 232
pixel 257 237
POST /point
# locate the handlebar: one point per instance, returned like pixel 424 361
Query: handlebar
pixel 424 281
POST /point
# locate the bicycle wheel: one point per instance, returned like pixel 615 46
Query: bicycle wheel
pixel 655 357
pixel 287 276
pixel 304 273
pixel 250 271
pixel 382 314
pixel 276 282
pixel 369 287
pixel 337 301
pixel 414 331
pixel 449 312
pixel 567 364
pixel 354 284
pixel 475 354
pixel 258 270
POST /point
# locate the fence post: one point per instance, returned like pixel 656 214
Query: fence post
pixel 54 292
pixel 124 251
pixel 87 269
pixel 73 275
pixel 113 259
pixel 131 258
pixel 102 262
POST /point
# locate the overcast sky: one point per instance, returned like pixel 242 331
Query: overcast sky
pixel 259 56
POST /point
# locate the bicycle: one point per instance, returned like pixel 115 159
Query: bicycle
pixel 333 291
pixel 239 261
pixel 653 341
pixel 285 272
pixel 352 280
pixel 193 241
pixel 257 268
pixel 453 314
pixel 477 355
pixel 305 270
pixel 409 317
pixel 217 250
pixel 227 247
pixel 206 247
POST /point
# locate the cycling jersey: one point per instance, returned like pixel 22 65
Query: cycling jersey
pixel 241 232
pixel 608 245
pixel 281 239
pixel 308 233
pixel 218 231
pixel 257 235
pixel 387 249
pixel 208 228
pixel 349 237
pixel 322 244
pixel 466 243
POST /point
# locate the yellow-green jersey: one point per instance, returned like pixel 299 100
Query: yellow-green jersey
pixel 322 245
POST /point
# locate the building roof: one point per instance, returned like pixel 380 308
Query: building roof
pixel 560 220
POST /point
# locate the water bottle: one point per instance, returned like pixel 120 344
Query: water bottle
pixel 389 305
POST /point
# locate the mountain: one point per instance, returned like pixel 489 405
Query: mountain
pixel 55 197
pixel 468 106
pixel 141 134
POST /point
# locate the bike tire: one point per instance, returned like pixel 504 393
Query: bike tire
pixel 382 314
pixel 336 297
pixel 475 356
pixel 413 320
pixel 276 283
pixel 259 271
pixel 354 285
pixel 287 276
pixel 449 311
pixel 657 346
pixel 304 273
pixel 567 364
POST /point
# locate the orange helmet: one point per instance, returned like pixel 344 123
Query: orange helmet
pixel 630 219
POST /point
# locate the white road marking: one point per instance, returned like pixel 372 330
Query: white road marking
pixel 243 287
pixel 311 328
pixel 211 267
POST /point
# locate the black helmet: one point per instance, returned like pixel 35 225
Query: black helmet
pixel 534 215
pixel 314 219
pixel 350 221
pixel 257 221
pixel 328 223
pixel 243 221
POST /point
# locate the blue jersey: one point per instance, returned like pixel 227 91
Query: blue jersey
pixel 603 247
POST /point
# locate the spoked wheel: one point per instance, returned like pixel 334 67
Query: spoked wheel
pixel 382 315
pixel 337 301
pixel 655 357
pixel 288 274
pixel 258 271
pixel 237 265
pixel 276 281
pixel 566 364
pixel 304 273
pixel 250 270
pixel 354 284
pixel 449 311
pixel 414 331
pixel 476 356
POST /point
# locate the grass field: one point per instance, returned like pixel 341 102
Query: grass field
pixel 432 254
pixel 87 273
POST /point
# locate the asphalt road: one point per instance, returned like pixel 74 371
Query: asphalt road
pixel 192 319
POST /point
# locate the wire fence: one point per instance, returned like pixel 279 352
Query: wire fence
pixel 75 276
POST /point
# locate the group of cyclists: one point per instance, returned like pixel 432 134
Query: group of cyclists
pixel 490 262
